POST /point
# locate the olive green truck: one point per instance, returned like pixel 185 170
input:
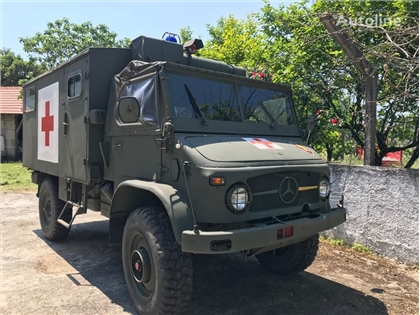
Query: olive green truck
pixel 183 154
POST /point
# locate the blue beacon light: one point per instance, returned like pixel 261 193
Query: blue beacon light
pixel 171 38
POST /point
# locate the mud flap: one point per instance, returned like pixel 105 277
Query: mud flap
pixel 116 230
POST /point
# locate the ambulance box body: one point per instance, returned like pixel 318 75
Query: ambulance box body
pixel 65 110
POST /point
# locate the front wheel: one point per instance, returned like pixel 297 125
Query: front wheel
pixel 158 274
pixel 291 259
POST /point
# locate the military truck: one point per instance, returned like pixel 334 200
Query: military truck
pixel 184 155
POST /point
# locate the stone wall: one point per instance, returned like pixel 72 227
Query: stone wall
pixel 8 131
pixel 382 209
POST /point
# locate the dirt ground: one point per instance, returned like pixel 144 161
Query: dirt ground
pixel 82 275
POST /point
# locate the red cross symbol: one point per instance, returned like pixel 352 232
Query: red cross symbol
pixel 47 124
pixel 265 143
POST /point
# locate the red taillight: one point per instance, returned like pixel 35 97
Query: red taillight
pixel 285 232
pixel 288 232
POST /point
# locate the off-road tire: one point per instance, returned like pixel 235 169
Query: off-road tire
pixel 50 207
pixel 291 259
pixel 149 228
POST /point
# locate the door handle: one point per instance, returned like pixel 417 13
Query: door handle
pixel 66 123
pixel 118 145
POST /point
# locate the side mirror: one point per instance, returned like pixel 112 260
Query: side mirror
pixel 310 124
pixel 128 109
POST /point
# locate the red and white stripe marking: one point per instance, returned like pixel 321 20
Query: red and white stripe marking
pixel 263 144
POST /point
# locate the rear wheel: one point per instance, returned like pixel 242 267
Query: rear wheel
pixel 158 274
pixel 291 259
pixel 50 207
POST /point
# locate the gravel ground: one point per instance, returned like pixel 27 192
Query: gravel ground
pixel 82 275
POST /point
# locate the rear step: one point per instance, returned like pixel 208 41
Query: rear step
pixel 79 210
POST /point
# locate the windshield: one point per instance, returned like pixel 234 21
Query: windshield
pixel 194 97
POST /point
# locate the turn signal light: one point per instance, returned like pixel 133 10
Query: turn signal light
pixel 217 181
pixel 285 232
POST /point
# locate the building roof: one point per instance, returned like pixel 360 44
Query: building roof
pixel 10 103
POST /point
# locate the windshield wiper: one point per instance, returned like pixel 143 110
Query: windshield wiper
pixel 273 121
pixel 197 111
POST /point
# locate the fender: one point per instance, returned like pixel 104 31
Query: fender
pixel 132 194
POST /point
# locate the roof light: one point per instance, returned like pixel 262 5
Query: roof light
pixel 191 46
pixel 171 37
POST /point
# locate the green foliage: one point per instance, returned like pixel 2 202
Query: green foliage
pixel 63 40
pixel 15 177
pixel 185 34
pixel 340 243
pixel 337 242
pixel 15 71
pixel 236 42
pixel 361 248
pixel 387 33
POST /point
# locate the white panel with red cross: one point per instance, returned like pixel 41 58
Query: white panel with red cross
pixel 263 144
pixel 48 123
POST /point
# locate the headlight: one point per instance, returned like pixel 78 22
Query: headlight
pixel 324 188
pixel 237 198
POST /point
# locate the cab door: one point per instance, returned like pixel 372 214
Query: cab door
pixel 134 152
pixel 74 132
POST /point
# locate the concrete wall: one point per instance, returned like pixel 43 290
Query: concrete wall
pixel 8 131
pixel 382 209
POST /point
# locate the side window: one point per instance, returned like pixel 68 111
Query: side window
pixel 30 99
pixel 145 94
pixel 74 85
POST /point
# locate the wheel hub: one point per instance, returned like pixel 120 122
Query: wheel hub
pixel 141 266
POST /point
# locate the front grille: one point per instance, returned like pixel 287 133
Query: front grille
pixel 266 190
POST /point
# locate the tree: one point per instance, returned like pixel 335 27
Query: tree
pixel 303 51
pixel 365 68
pixel 62 40
pixel 236 42
pixel 185 34
pixel 15 71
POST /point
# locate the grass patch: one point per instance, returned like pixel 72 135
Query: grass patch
pixel 15 177
pixel 361 248
pixel 337 242
pixel 340 243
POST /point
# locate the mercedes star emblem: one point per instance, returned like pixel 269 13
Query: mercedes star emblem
pixel 288 190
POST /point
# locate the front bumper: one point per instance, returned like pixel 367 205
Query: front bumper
pixel 259 237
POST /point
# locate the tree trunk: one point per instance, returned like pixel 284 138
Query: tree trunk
pixel 413 158
pixel 329 152
pixel 362 65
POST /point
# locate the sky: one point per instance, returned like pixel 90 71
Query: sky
pixel 22 18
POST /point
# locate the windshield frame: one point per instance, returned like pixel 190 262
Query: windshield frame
pixel 227 127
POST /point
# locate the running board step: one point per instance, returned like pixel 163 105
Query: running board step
pixel 79 210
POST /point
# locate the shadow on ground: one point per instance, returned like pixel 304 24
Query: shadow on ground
pixel 223 285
